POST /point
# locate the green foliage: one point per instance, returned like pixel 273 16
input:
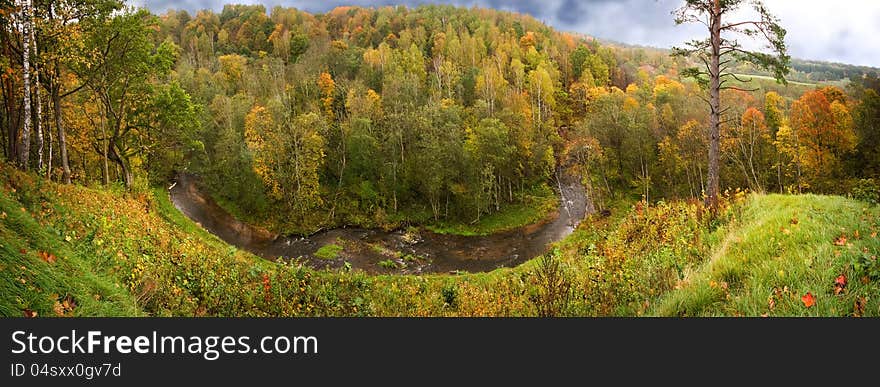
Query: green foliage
pixel 554 290
pixel 729 34
pixel 387 106
pixel 866 265
pixel 867 190
pixel 449 294
pixel 330 251
pixel 535 207
pixel 865 160
pixel 388 264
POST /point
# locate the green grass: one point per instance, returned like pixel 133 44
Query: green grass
pixel 172 215
pixel 72 285
pixel 766 78
pixel 533 209
pixel 780 249
pixel 388 264
pixel 329 251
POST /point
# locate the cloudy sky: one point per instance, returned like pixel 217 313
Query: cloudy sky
pixel 845 31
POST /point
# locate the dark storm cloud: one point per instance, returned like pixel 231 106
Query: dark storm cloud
pixel 818 29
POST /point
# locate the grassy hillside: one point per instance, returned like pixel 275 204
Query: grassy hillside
pixel 77 251
pixel 782 249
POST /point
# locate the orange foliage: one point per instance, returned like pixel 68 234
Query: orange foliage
pixel 327 86
pixel 824 126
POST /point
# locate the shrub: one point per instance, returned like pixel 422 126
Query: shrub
pixel 554 286
pixel 449 295
pixel 866 264
pixel 867 190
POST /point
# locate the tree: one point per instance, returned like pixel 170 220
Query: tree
pixel 232 69
pixel 866 117
pixel 825 130
pixel 175 140
pixel 491 84
pixel 67 26
pixel 775 120
pixel 541 89
pixel 123 84
pixel 488 145
pixel 686 150
pixel 288 155
pixel 26 25
pixel 328 91
pixel 718 51
pixel 745 143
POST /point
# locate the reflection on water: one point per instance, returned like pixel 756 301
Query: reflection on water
pixel 399 252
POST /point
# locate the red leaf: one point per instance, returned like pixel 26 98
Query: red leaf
pixel 839 284
pixel 808 300
pixel 50 258
pixel 840 241
pixel 30 313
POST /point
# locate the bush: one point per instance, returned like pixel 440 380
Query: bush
pixel 449 293
pixel 867 190
pixel 867 264
pixel 554 286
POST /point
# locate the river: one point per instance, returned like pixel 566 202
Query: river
pixel 401 252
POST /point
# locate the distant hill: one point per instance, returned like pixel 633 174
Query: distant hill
pixel 802 70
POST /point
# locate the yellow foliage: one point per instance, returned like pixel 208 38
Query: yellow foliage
pixel 328 87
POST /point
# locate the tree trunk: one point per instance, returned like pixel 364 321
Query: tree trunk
pixel 12 118
pixel 84 167
pixel 62 140
pixel 39 103
pixel 122 163
pixel 105 146
pixel 779 173
pixel 49 151
pixel 25 135
pixel 712 183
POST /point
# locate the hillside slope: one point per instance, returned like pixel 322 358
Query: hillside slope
pixel 803 255
pixel 77 251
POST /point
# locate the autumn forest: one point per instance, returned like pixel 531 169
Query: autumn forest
pixel 430 123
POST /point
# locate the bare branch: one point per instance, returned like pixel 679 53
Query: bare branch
pixel 740 89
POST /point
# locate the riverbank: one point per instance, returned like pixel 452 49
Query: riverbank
pixel 399 251
pixel 536 206
pixel 532 206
